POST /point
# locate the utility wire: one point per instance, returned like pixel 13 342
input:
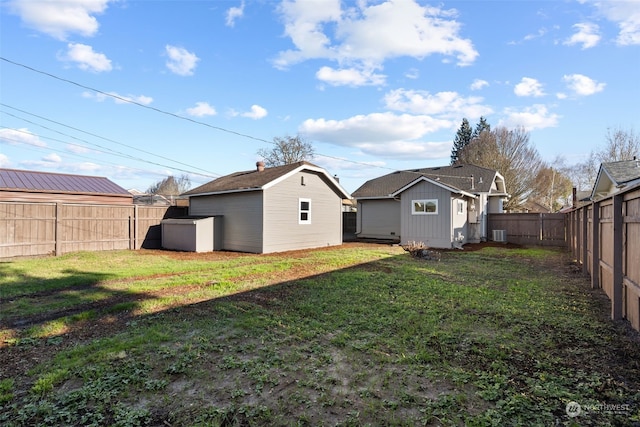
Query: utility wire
pixel 101 137
pixel 104 150
pixel 39 148
pixel 130 101
pixel 18 141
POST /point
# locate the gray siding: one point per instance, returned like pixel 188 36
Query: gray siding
pixel 433 230
pixel 282 230
pixel 459 220
pixel 242 218
pixel 378 219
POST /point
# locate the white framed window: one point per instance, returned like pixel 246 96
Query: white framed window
pixel 304 211
pixel 424 207
pixel 460 207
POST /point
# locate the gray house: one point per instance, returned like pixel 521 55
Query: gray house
pixel 614 176
pixel 440 206
pixel 276 209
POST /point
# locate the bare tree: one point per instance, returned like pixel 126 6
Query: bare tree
pixel 511 153
pixel 619 145
pixel 287 150
pixel 552 187
pixel 170 186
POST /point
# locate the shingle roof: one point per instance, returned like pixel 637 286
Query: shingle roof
pixel 249 180
pixel 623 171
pixel 455 176
pixel 17 180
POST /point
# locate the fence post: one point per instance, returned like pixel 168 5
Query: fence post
pixel 136 213
pixel 58 232
pixel 595 245
pixel 576 237
pixel 616 298
pixel 585 241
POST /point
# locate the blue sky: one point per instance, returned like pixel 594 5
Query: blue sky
pixel 136 90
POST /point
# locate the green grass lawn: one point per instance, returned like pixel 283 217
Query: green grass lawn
pixel 348 336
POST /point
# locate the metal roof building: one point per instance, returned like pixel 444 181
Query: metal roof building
pixel 32 186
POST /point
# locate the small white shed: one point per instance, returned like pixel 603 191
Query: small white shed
pixel 192 234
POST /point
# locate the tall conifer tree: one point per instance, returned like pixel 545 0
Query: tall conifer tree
pixel 462 139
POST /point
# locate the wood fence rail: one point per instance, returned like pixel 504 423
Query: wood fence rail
pixel 531 229
pixel 604 238
pixel 30 229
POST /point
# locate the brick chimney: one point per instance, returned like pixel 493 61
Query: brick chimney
pixel 259 166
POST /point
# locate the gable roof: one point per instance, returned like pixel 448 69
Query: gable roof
pixel 49 182
pixel 255 180
pixel 456 177
pixel 615 174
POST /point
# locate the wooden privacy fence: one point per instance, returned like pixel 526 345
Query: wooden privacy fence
pixel 28 229
pixel 536 229
pixel 604 238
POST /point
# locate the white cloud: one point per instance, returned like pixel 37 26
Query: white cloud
pixel 86 59
pixel 448 104
pixel 382 134
pixel 412 74
pixel 368 34
pixel 4 161
pixel 119 99
pixel 408 150
pixel 627 15
pixel 60 18
pixel 479 84
pixel 534 117
pixel 541 32
pixel 77 149
pixel 53 158
pixel 50 161
pixel 257 112
pixel 181 61
pixel 202 109
pixel 582 85
pixel 350 77
pixel 529 87
pixel 234 13
pixel 21 136
pixel 376 128
pixel 586 35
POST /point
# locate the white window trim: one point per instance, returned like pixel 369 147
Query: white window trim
pixel 460 207
pixel 300 220
pixel 425 201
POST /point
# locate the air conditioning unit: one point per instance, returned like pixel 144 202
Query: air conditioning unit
pixel 500 236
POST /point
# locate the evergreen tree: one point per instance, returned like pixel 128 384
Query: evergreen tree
pixel 462 139
pixel 481 126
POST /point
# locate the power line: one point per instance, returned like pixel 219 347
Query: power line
pixel 114 153
pixel 105 150
pixel 130 101
pixel 36 147
pixel 101 137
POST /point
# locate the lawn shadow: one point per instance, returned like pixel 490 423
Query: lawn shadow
pixel 31 301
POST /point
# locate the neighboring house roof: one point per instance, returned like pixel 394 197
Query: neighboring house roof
pixel 461 178
pixel 260 179
pixel 48 182
pixel 614 175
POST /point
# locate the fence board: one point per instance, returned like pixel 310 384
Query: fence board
pixel 539 229
pixel 34 228
pixel 613 239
